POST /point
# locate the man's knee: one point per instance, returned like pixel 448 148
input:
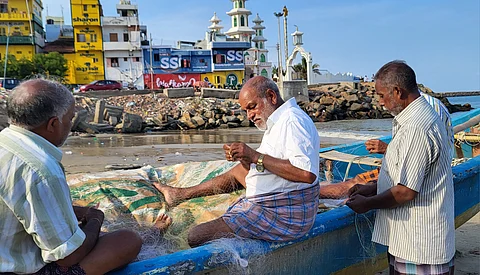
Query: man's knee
pixel 194 238
pixel 131 239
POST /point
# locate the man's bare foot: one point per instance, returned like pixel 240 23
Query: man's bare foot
pixel 170 193
pixel 162 222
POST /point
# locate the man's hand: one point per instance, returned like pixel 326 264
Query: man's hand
pixel 358 203
pixel 239 151
pixel 375 146
pixel 366 190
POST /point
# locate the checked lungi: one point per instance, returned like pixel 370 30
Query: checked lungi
pixel 400 266
pixel 274 217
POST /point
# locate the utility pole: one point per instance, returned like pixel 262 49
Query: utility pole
pixel 285 14
pixel 6 56
pixel 151 62
pixel 279 48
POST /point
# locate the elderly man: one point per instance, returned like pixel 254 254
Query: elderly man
pixel 375 146
pixel 280 177
pixel 414 194
pixel 40 231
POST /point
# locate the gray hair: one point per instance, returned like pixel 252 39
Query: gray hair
pixel 35 101
pixel 397 74
pixel 261 84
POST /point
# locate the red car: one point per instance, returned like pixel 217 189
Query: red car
pixel 99 85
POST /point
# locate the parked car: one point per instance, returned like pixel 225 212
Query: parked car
pixel 9 83
pixel 99 85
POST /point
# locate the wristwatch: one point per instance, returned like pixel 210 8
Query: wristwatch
pixel 260 167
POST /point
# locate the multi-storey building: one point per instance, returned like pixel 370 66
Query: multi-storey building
pixel 21 27
pixel 89 60
pixel 123 38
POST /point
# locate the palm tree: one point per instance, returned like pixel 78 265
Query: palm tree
pixel 301 68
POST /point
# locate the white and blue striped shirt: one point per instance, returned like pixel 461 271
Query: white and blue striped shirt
pixel 422 230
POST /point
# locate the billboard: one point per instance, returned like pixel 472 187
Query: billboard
pixel 168 61
pixel 225 59
pixel 161 81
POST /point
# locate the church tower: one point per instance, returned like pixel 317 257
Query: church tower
pixel 239 15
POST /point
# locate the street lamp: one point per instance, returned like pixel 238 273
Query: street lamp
pixel 279 57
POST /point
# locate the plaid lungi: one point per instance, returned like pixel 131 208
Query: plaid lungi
pixel 274 217
pixel 55 269
pixel 400 266
pixel 369 175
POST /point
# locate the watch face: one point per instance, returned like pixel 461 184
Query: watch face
pixel 260 168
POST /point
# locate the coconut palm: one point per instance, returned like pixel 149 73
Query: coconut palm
pixel 301 68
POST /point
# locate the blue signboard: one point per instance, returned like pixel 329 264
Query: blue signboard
pixel 168 61
pixel 225 60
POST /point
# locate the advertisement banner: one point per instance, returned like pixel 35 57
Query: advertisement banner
pixel 161 81
pixel 168 61
pixel 224 59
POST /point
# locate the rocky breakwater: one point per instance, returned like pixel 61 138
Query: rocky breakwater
pixel 155 112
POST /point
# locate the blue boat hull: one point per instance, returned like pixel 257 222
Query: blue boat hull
pixel 338 243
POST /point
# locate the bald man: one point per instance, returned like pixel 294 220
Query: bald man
pixel 280 177
pixel 40 231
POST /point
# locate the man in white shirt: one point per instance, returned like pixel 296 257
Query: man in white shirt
pixel 414 193
pixel 280 177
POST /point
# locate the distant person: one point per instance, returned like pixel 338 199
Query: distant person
pixel 280 177
pixel 40 231
pixel 373 78
pixel 375 146
pixel 414 193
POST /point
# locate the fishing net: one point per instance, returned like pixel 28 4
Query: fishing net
pixel 129 200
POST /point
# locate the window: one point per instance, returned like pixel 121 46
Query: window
pixel 256 45
pixel 3 8
pixel 125 37
pixel 2 31
pixel 242 21
pixel 113 37
pixel 217 79
pixel 261 45
pixel 26 28
pixel 81 37
pixel 93 37
pixel 219 59
pixel 94 6
pixel 260 32
pixel 85 8
pixel 240 4
pixel 114 62
pixel 125 59
pixel 235 21
pixel 95 60
pixel 262 58
pixel 19 52
pixel 264 73
pixel 137 59
pixel 156 57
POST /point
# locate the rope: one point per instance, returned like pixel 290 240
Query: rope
pixel 350 165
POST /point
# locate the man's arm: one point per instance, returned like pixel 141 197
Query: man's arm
pixel 92 223
pixel 391 198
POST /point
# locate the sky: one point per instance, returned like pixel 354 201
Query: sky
pixel 439 39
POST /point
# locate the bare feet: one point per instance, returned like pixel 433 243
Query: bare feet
pixel 162 222
pixel 170 193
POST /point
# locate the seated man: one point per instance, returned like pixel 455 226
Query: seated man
pixel 375 146
pixel 280 177
pixel 40 231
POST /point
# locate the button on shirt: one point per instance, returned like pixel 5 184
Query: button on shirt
pixel 422 230
pixel 290 135
pixel 38 224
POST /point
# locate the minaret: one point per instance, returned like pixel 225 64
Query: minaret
pixel 259 40
pixel 240 28
pixel 215 26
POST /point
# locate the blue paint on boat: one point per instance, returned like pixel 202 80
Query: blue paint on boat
pixel 339 238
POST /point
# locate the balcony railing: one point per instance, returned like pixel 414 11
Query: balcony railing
pixel 14 16
pixel 16 40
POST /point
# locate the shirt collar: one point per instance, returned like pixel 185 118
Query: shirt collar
pixel 407 113
pixel 40 141
pixel 275 116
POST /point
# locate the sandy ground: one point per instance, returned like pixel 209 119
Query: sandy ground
pixel 92 154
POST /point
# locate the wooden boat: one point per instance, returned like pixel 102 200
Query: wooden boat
pixel 338 243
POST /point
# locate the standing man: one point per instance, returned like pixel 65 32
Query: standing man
pixel 280 177
pixel 414 193
pixel 40 231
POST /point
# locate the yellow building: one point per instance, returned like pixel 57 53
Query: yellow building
pixel 88 64
pixel 22 26
pixel 231 78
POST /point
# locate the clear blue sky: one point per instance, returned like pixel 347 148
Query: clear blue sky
pixel 440 39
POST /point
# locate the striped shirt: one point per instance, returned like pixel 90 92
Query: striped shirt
pixel 422 230
pixel 38 223
pixel 442 111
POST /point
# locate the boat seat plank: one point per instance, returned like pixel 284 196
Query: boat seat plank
pixel 344 157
